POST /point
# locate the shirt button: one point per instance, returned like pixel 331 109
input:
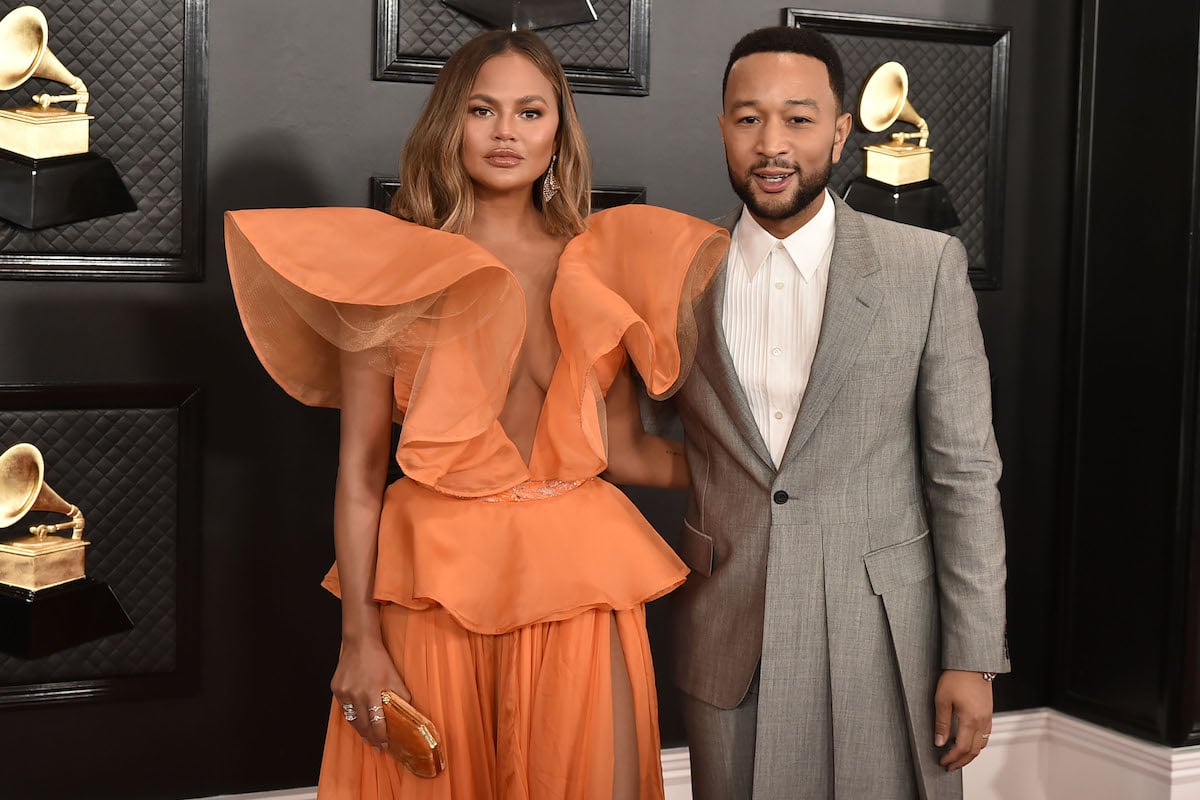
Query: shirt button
pixel 776 351
pixel 781 497
pixel 778 415
pixel 778 284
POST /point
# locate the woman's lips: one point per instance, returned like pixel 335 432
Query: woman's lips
pixel 503 158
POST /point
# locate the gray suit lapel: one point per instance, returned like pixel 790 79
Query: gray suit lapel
pixel 713 357
pixel 852 300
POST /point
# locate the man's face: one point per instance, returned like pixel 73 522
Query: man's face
pixel 783 131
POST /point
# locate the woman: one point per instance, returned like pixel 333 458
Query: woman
pixel 501 584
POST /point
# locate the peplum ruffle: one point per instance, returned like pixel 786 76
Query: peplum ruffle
pixel 500 566
pixel 446 319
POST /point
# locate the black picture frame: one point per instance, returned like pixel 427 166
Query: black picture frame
pixel 383 187
pixel 392 64
pixel 981 207
pixel 185 262
pixel 40 680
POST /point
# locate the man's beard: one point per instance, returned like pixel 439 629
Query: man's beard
pixel 808 187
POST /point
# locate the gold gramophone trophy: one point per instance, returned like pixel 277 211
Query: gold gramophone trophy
pixel 47 602
pixel 897 184
pixel 49 175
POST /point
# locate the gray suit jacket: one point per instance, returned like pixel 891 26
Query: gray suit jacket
pixel 874 557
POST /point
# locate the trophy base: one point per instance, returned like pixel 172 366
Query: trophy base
pixel 37 132
pixel 39 623
pixel 897 164
pixel 37 564
pixel 44 192
pixel 925 204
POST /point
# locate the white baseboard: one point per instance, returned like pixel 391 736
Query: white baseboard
pixel 677 773
pixel 1047 755
pixel 1038 754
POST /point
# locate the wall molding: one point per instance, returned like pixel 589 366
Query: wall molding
pixel 1043 754
pixel 1037 754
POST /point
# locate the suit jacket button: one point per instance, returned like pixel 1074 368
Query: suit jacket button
pixel 781 497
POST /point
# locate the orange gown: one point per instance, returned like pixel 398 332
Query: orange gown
pixel 499 580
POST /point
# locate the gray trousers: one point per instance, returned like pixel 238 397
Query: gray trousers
pixel 721 745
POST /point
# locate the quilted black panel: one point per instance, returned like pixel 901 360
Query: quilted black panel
pixel 130 54
pixel 431 30
pixel 609 55
pixel 950 86
pixel 121 467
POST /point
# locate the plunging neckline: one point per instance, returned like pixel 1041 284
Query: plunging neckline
pixel 537 422
pixel 529 462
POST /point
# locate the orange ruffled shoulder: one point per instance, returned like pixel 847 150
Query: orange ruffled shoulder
pixel 631 280
pixel 626 287
pixel 310 282
pixel 428 307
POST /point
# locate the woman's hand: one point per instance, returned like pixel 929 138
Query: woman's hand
pixel 364 670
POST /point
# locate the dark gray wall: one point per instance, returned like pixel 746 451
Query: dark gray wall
pixel 296 120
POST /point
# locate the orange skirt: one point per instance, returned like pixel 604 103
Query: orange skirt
pixel 524 715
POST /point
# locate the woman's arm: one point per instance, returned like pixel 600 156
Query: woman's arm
pixel 635 457
pixel 364 666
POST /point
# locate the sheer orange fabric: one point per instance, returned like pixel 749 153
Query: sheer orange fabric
pixel 527 713
pixel 499 579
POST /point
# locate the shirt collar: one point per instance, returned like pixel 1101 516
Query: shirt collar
pixel 808 247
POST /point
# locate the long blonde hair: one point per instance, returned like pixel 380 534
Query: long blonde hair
pixel 435 189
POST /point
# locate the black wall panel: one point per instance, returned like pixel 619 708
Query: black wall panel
pixel 1127 652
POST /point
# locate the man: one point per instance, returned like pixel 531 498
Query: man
pixel 845 614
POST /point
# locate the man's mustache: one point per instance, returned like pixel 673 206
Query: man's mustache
pixel 773 163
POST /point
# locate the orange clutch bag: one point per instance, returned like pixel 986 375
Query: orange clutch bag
pixel 412 738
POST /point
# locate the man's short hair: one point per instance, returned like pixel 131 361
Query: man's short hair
pixel 785 39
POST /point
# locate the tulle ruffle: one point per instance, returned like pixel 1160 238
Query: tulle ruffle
pixel 446 319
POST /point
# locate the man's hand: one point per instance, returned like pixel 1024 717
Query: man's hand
pixel 967 697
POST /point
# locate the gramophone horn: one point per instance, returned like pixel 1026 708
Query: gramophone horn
pixel 24 54
pixel 23 489
pixel 885 100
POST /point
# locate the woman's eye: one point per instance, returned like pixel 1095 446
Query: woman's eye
pixel 480 111
pixel 530 113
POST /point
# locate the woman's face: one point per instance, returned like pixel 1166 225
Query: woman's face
pixel 511 124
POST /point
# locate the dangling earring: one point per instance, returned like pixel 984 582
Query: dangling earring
pixel 550 183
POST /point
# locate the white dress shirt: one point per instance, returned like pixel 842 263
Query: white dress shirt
pixel 774 302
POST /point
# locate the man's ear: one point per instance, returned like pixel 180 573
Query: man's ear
pixel 841 130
